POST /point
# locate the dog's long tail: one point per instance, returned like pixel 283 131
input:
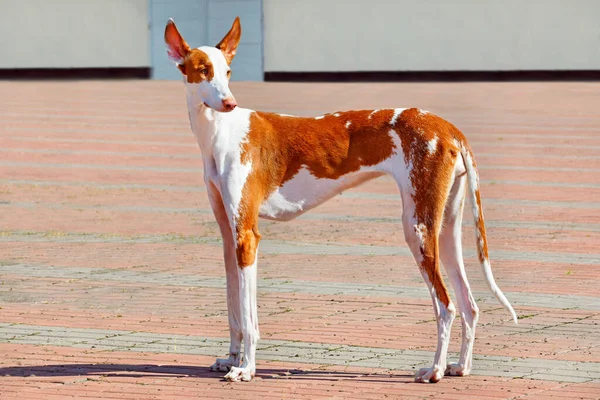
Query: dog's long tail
pixel 482 249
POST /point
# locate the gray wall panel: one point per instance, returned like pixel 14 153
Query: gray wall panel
pixel 74 33
pixel 433 35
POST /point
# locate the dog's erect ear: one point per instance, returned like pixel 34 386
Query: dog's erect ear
pixel 177 48
pixel 228 45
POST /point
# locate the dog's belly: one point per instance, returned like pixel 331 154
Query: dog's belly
pixel 304 192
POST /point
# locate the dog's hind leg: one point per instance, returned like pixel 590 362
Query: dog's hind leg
pixel 421 234
pixel 425 185
pixel 451 255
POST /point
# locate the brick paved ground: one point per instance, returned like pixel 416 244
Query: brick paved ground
pixel 111 278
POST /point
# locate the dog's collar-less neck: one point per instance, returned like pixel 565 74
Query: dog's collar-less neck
pixel 206 122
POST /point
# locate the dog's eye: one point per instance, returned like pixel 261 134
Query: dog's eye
pixel 204 71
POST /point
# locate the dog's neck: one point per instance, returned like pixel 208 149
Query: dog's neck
pixel 206 123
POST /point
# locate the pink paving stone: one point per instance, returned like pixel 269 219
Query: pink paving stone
pixel 189 259
pixel 135 118
pixel 144 144
pixel 381 186
pixel 378 208
pixel 127 223
pixel 126 375
pixel 101 161
pixel 350 321
pixel 193 162
pixel 532 161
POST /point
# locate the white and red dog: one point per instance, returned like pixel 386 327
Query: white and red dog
pixel 259 164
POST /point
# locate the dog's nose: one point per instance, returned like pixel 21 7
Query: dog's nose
pixel 229 104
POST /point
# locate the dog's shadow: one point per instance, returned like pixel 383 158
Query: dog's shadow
pixel 183 371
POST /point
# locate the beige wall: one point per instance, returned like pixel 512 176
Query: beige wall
pixel 74 33
pixel 432 35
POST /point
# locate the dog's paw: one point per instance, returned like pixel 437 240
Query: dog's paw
pixel 428 375
pixel 240 374
pixel 225 364
pixel 456 369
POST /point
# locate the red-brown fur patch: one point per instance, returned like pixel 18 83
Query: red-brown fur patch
pixel 482 249
pixel 228 45
pixel 279 146
pixel 195 64
pixel 431 177
pixel 177 47
pixel 197 67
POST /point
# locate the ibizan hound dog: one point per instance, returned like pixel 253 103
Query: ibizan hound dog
pixel 259 164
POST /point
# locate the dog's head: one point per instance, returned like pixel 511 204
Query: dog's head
pixel 206 69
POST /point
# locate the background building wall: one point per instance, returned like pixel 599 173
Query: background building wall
pixel 306 35
pixel 205 22
pixel 436 35
pixel 74 33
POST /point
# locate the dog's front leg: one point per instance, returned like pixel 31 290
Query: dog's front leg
pixel 245 228
pixel 249 314
pixel 246 254
pixel 233 299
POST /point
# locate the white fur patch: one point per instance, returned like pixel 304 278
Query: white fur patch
pixel 225 150
pixel 473 184
pixel 373 113
pixel 320 117
pixel 217 89
pixel 277 205
pixel 348 123
pixel 421 231
pixel 336 114
pixel 397 112
pixel 293 198
pixel 432 145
